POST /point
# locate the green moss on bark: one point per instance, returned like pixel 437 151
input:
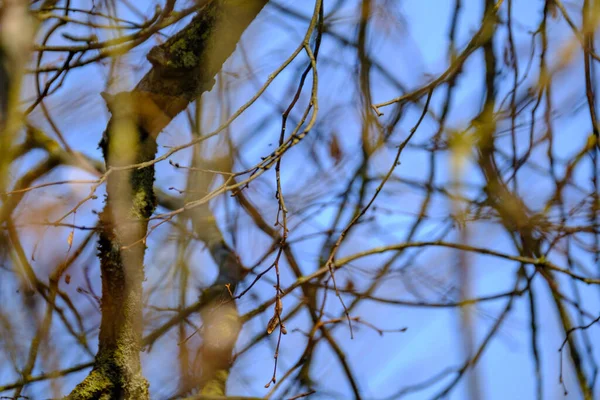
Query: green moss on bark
pixel 129 203
pixel 107 382
pixel 183 68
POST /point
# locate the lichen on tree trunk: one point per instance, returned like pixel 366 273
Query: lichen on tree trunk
pixel 183 68
pixel 129 204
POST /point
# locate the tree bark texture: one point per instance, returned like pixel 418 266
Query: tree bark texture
pixel 183 68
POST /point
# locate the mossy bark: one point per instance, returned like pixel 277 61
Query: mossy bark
pixel 182 69
pixel 129 204
pixel 184 66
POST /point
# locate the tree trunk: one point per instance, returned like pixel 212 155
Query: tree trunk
pixel 183 68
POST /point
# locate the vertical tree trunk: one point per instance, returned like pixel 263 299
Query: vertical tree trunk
pixel 182 69
pixel 129 204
